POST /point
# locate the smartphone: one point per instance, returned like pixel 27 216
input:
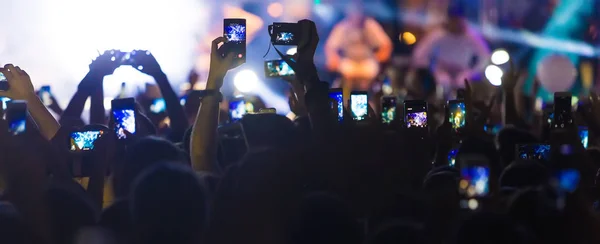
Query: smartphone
pixel 474 180
pixel 284 33
pixel 158 106
pixel 562 110
pixel 336 97
pixel 278 68
pixel 359 105
pixel 123 111
pixel 16 116
pixel 452 157
pixel 583 135
pixel 415 114
pixel 235 32
pixel 388 109
pixel 548 118
pixel 457 114
pixel 539 152
pixel 237 109
pixel 84 140
pixel 45 95
pixel 492 129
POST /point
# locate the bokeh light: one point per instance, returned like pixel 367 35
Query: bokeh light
pixel 275 10
pixel 408 38
pixel 245 81
pixel 500 57
pixel 494 74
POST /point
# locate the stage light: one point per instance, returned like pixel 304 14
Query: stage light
pixel 292 51
pixel 500 57
pixel 494 74
pixel 275 10
pixel 245 81
pixel 408 38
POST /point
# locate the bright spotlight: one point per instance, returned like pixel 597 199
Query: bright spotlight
pixel 494 74
pixel 245 81
pixel 500 57
pixel 292 51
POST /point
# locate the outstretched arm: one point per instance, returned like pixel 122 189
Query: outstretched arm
pixel 21 88
pixel 203 146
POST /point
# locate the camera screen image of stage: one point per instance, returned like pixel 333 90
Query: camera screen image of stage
pixel 416 119
pixel 359 106
pixel 124 121
pixel 84 140
pixel 474 181
pixel 457 115
pixel 237 110
pixel 280 68
pixel 158 106
pixel 539 152
pixel 235 32
pixel 284 37
pixel 17 124
pixel 583 135
pixel 339 99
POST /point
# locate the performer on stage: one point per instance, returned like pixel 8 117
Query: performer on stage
pixel 356 47
pixel 453 52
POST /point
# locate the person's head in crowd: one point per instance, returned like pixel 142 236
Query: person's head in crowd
pixel 492 228
pixel 168 205
pixel 116 219
pixel 70 211
pixel 524 173
pixel 141 155
pixel 456 23
pixel 268 130
pixel 537 209
pixel 325 219
pixel 12 228
pixel 507 140
pixel 442 188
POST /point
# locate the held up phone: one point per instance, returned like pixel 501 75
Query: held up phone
pixel 492 129
pixel 452 157
pixel 158 106
pixel 415 114
pixel 237 109
pixel 5 101
pixel 539 152
pixel 562 110
pixel 235 32
pixel 474 181
pixel 123 112
pixel 45 95
pixel 359 105
pixel 284 33
pixel 388 109
pixel 583 135
pixel 278 68
pixel 16 116
pixel 337 102
pixel 267 111
pixel 457 114
pixel 3 83
pixel 84 140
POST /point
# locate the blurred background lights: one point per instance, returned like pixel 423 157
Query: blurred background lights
pixel 494 74
pixel 500 57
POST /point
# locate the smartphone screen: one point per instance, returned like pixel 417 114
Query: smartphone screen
pixel 278 68
pixel 452 157
pixel 474 181
pixel 457 112
pixel 45 95
pixel 539 152
pixel 388 109
pixel 337 97
pixel 567 180
pixel 359 105
pixel 16 116
pixel 123 111
pixel 158 106
pixel 84 141
pixel 4 101
pixel 235 32
pixel 237 109
pixel 285 34
pixel 583 135
pixel 562 110
pixel 415 114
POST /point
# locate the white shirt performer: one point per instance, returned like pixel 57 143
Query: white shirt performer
pixel 450 52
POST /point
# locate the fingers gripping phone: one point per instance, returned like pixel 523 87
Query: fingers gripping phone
pixel 84 140
pixel 415 114
pixel 359 105
pixel 337 102
pixel 16 116
pixel 457 114
pixel 277 69
pixel 235 32
pixel 562 110
pixel 124 113
pixel 388 109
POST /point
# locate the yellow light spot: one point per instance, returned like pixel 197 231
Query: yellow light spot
pixel 463 184
pixel 408 38
pixel 473 204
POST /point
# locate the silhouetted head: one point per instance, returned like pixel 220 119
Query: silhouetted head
pixel 507 140
pixel 70 211
pixel 143 154
pixel 524 173
pixel 168 205
pixel 12 228
pixel 491 228
pixel 397 232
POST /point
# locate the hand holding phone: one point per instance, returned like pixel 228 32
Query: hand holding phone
pixel 388 109
pixel 124 113
pixel 234 31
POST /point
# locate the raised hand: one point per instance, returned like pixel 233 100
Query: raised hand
pixel 219 65
pixel 145 62
pixel 20 86
pixel 510 79
pixel 303 62
pixel 106 63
